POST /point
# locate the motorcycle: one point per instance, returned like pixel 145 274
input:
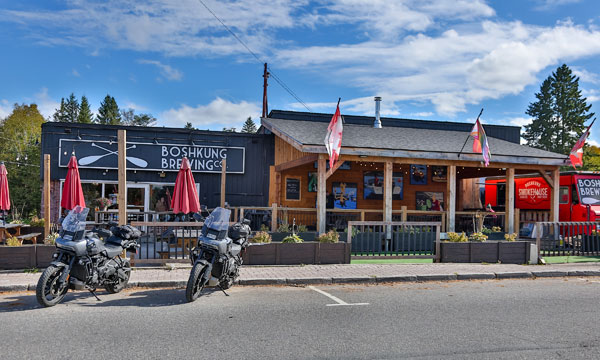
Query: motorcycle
pixel 217 257
pixel 87 259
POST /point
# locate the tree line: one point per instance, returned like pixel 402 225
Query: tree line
pixel 73 111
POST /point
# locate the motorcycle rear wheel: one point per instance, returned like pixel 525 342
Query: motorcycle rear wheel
pixel 120 284
pixel 195 283
pixel 48 290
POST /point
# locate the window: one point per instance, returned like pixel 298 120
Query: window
pixel 501 194
pixel 563 194
pixel 160 197
pixel 574 195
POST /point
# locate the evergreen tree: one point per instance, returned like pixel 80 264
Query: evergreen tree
pixel 559 114
pixel 249 126
pixel 108 112
pixel 188 125
pixel 60 114
pixel 71 109
pixel 85 114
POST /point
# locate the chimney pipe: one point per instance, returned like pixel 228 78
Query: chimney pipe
pixel 377 123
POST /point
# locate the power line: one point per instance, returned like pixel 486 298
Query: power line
pixel 277 79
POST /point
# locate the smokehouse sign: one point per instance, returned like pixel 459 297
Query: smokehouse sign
pixel 152 157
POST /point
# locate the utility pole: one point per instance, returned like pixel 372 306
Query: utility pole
pixel 265 108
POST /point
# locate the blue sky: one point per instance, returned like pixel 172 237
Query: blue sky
pixel 428 59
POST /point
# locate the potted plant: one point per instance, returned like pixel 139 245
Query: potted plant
pixel 103 203
pixel 302 231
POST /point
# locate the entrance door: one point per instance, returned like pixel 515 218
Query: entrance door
pixel 138 200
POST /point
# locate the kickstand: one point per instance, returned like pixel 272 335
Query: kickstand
pixel 96 296
pixel 223 290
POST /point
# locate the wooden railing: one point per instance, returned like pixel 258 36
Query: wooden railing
pixel 567 238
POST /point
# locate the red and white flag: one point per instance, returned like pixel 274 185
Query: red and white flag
pixel 333 140
pixel 576 155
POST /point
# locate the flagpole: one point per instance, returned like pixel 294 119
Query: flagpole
pixel 461 149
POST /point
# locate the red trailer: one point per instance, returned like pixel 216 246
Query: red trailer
pixel 579 194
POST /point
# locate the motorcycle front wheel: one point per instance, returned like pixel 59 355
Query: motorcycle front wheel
pixel 49 291
pixel 195 283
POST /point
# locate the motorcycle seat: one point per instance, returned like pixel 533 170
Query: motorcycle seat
pixel 112 250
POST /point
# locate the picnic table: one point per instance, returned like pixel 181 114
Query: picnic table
pixel 14 230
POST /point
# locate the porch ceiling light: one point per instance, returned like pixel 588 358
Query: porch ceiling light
pixel 362 156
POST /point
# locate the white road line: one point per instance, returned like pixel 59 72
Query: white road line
pixel 339 301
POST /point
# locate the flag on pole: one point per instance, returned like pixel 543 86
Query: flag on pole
pixel 480 141
pixel 576 155
pixel 333 140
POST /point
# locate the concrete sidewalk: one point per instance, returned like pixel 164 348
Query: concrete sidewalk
pixel 328 274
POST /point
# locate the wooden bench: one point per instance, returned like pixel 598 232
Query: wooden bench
pixel 32 237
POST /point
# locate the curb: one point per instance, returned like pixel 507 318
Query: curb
pixel 178 284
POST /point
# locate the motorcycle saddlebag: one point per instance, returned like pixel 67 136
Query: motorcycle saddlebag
pixel 238 231
pixel 128 232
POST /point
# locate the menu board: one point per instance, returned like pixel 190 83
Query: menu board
pixel 292 189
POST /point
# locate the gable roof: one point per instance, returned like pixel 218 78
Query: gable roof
pixel 406 142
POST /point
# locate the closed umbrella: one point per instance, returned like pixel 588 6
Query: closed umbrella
pixel 185 196
pixel 4 193
pixel 72 194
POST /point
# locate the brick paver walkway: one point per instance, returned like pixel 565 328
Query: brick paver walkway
pixel 340 273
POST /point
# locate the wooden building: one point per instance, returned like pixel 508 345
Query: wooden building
pixel 412 164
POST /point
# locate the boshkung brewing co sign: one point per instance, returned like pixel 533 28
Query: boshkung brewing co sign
pixel 152 157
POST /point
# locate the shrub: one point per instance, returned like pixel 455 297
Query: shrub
pixel 302 228
pixel 261 237
pixel 264 227
pixel 284 228
pixel 51 238
pixel 355 231
pixel 496 229
pixel 330 237
pixel 13 241
pixel 511 237
pixel 292 239
pixel 454 237
pixel 487 231
pixel 478 236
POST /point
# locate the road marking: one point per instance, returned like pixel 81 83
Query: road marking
pixel 339 301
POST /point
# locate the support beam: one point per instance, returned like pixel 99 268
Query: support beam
pixel 451 191
pixel 122 196
pixel 223 179
pixel 321 198
pixel 387 197
pixel 294 163
pixel 554 198
pixel 509 219
pixel 334 168
pixel 547 178
pixel 46 194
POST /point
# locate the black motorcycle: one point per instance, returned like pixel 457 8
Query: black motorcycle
pixel 87 259
pixel 218 256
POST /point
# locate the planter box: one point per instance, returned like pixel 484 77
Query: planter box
pixel 17 257
pixel 43 255
pixel 306 236
pixel 496 236
pixel 506 252
pixel 297 254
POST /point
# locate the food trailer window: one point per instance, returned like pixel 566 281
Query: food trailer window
pixel 563 194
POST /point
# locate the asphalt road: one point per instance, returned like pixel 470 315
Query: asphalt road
pixel 543 318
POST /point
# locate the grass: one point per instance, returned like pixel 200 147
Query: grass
pixel 391 261
pixel 570 259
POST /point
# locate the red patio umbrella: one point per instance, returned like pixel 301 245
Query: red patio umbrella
pixel 4 193
pixel 185 196
pixel 72 194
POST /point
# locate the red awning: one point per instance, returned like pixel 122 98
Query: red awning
pixel 72 194
pixel 185 196
pixel 4 193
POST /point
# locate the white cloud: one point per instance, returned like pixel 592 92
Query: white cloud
pixel 585 76
pixel 45 104
pixel 216 115
pixel 517 121
pixel 544 5
pixel 5 108
pixel 75 73
pixel 423 114
pixel 166 71
pixel 453 69
pixel 591 95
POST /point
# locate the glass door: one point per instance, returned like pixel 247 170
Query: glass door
pixel 138 199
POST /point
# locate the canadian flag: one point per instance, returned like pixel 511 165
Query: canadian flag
pixel 333 140
pixel 576 155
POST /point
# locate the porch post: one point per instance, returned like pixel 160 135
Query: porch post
pixel 387 197
pixel 509 206
pixel 451 190
pixel 321 199
pixel 555 195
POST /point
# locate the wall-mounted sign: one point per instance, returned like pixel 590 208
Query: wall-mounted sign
pixel 152 157
pixel 292 189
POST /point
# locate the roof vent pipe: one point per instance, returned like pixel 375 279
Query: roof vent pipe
pixel 377 123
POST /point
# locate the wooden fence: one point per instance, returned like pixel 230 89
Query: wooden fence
pixel 567 238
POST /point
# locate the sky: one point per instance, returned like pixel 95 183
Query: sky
pixel 428 59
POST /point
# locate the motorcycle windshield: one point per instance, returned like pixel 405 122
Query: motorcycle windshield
pixel 75 220
pixel 218 220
